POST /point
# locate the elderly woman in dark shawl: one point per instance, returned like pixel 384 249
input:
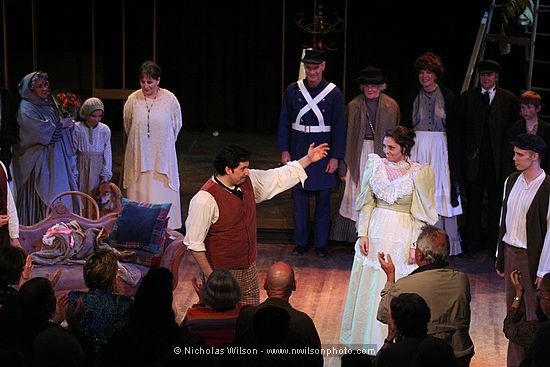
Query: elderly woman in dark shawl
pixel 44 164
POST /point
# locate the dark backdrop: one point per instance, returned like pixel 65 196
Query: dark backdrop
pixel 224 60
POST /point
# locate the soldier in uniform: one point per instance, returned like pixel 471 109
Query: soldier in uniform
pixel 312 111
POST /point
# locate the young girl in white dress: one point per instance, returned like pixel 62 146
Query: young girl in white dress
pixel 92 146
pixel 396 200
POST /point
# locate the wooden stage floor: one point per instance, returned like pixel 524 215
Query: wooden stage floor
pixel 321 283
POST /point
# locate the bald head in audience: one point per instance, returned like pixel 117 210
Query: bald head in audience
pixel 280 281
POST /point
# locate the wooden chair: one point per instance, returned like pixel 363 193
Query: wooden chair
pixel 79 203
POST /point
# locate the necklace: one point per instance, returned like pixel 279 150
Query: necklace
pixel 149 111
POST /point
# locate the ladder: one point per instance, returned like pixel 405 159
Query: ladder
pixel 538 65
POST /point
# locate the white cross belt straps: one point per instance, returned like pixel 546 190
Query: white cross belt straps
pixel 312 105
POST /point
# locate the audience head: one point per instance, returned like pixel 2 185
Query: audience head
pixel 230 156
pixel 411 314
pixel 430 62
pixel 433 245
pixel 37 299
pixel 152 308
pixel 221 291
pixel 403 136
pixel 100 270
pixel 280 281
pixel 55 347
pixel 271 325
pixel 12 262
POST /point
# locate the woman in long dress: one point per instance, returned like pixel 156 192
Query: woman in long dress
pixel 92 145
pixel 152 121
pixel 368 116
pixel 44 163
pixel 395 201
pixel 434 118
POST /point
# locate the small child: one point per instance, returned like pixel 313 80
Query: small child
pixel 92 145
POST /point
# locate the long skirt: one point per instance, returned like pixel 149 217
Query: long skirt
pixel 152 187
pixel 30 207
pixel 431 147
pixel 360 328
pixel 89 166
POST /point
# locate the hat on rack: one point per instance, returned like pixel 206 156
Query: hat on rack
pixel 371 75
pixel 488 66
pixel 90 105
pixel 530 142
pixel 314 57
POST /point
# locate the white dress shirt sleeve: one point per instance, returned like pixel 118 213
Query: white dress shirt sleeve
pixel 268 183
pixel 544 261
pixel 203 212
pixel 13 219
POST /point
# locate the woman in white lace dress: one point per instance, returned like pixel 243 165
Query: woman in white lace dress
pixel 395 201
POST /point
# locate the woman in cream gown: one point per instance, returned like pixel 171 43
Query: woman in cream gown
pixel 395 201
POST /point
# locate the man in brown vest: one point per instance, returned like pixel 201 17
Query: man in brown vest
pixel 523 243
pixel 221 223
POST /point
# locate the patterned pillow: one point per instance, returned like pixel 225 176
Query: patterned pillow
pixel 141 227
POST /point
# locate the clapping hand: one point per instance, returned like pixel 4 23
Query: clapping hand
pixel 197 286
pixel 74 316
pixel 515 277
pixel 61 307
pixel 387 266
pixel 26 274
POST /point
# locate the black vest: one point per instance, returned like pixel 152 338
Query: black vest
pixel 535 222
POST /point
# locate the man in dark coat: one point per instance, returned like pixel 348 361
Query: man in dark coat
pixel 488 110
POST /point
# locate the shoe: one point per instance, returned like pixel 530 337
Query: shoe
pixel 321 252
pixel 299 250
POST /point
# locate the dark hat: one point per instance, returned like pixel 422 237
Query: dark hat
pixel 488 66
pixel 314 57
pixel 371 75
pixel 530 142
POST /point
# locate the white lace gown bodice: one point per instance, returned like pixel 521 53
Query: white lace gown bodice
pixel 393 209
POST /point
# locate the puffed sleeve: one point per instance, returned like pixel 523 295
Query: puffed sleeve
pixel 423 206
pixel 366 201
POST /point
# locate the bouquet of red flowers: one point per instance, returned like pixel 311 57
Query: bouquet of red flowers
pixel 67 102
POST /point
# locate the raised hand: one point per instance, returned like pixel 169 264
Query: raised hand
pixel 387 266
pixel 285 157
pixel 74 316
pixel 316 153
pixel 26 274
